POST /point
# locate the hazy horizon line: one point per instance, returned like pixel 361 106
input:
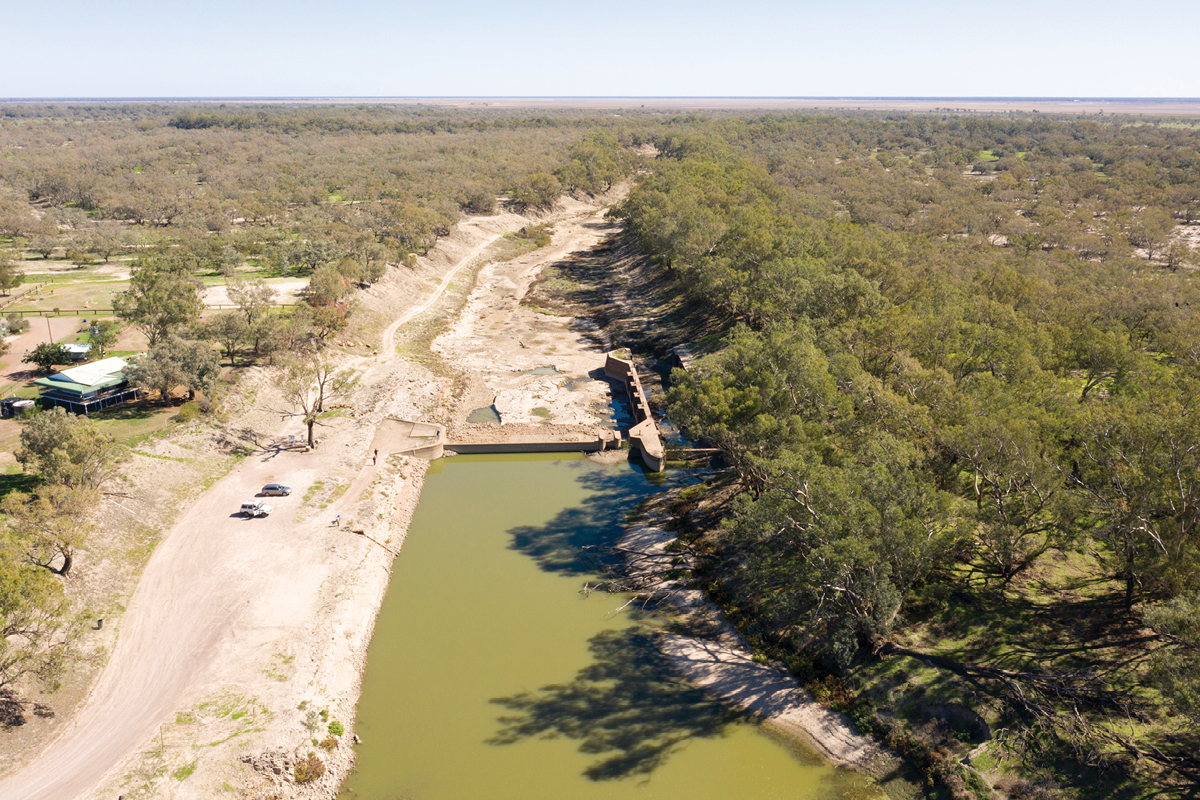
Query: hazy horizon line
pixel 176 98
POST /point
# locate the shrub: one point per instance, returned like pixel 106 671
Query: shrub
pixel 538 190
pixel 336 728
pixel 188 411
pixel 309 768
pixel 479 201
pixel 330 743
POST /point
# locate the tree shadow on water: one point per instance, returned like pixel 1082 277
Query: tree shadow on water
pixel 627 708
pixel 597 521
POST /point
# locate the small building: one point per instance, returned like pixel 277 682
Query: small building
pixel 77 352
pixel 87 388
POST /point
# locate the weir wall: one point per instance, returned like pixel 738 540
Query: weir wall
pixel 644 434
pixel 428 441
pixel 584 446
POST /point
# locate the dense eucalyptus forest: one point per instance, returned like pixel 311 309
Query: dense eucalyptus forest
pixel 951 362
pixel 955 374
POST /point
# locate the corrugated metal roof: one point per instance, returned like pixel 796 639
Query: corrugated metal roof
pixel 56 383
pixel 93 374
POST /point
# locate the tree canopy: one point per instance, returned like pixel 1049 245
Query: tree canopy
pixel 161 299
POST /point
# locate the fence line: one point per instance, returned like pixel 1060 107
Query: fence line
pixel 79 312
pixel 12 298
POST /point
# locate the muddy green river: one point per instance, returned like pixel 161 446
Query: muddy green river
pixel 491 676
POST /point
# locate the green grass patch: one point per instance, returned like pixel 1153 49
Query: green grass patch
pixel 161 458
pixel 134 424
pixel 16 481
pixel 77 297
pixel 314 490
pixel 278 670
pixel 338 491
pixel 184 772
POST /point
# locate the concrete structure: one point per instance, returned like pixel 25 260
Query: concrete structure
pixel 421 439
pixel 91 387
pixel 428 441
pixel 609 440
pixel 644 434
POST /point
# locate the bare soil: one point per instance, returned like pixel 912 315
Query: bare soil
pixel 534 367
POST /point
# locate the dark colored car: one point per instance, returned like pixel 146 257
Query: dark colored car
pixel 276 489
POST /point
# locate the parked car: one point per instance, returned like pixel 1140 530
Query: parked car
pixel 256 508
pixel 276 489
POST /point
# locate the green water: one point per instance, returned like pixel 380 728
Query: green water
pixel 491 676
pixel 484 415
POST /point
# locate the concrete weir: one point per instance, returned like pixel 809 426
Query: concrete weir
pixel 427 440
pixel 644 434
pixel 534 445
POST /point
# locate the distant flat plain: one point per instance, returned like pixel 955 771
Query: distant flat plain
pixel 1153 106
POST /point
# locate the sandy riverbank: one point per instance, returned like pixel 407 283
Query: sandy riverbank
pixel 720 661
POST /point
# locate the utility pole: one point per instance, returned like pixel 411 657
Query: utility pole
pixel 49 330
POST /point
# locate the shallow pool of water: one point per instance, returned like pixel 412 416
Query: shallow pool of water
pixel 482 416
pixel 491 676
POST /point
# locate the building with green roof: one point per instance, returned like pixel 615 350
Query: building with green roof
pixel 87 388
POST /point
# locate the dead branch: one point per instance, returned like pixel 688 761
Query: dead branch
pixel 1032 694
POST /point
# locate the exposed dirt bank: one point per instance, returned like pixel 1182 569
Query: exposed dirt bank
pixel 720 661
pixel 531 366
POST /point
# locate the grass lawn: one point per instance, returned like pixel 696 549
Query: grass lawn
pixel 75 295
pixel 128 424
pixel 136 421
pixel 14 480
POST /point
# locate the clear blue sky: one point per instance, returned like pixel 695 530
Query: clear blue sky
pixel 363 48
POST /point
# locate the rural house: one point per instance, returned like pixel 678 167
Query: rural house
pixel 87 388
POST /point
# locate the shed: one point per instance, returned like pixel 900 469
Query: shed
pixel 77 352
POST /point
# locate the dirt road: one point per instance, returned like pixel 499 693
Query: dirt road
pixel 225 600
pixel 41 330
pixel 205 575
pixel 390 332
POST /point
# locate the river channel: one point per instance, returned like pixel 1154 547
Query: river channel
pixel 490 675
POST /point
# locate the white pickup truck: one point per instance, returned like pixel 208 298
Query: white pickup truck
pixel 256 508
